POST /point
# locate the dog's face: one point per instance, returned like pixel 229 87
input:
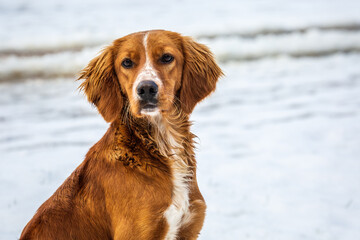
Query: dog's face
pixel 150 73
pixel 149 69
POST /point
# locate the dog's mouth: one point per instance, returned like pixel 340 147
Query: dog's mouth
pixel 149 108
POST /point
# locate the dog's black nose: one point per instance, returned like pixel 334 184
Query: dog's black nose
pixel 147 90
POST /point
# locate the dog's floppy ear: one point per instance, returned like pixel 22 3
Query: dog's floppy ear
pixel 200 74
pixel 101 85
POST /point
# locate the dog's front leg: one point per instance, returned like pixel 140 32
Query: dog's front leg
pixel 191 229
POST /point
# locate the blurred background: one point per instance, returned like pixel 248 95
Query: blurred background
pixel 279 141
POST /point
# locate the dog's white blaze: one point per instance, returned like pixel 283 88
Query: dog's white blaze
pixel 147 72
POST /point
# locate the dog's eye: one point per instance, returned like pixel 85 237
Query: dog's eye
pixel 127 63
pixel 166 58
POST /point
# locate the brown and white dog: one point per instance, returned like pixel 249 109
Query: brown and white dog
pixel 139 180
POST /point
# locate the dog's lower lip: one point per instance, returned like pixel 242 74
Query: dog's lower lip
pixel 149 106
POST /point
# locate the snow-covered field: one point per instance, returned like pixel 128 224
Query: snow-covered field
pixel 279 141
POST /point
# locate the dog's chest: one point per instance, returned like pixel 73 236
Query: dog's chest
pixel 178 212
pixel 170 145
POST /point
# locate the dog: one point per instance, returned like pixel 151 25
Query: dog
pixel 139 180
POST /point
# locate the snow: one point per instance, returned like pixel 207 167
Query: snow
pixel 278 150
pixel 290 167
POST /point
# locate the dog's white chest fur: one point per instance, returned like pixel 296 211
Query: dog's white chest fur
pixel 178 213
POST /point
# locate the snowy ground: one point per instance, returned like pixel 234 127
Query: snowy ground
pixel 279 141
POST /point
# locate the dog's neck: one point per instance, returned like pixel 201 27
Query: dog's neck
pixel 167 135
pixel 169 132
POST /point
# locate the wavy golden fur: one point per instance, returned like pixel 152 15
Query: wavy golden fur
pixel 143 170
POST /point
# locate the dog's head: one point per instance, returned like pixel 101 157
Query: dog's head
pixel 151 73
